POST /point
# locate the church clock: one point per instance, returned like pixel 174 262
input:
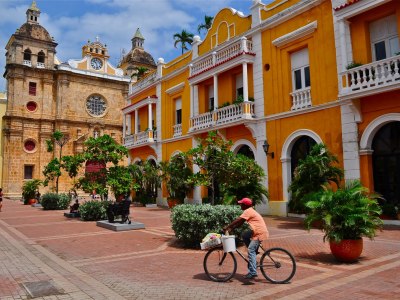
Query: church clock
pixel 96 63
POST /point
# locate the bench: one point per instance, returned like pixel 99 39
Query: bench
pixel 119 209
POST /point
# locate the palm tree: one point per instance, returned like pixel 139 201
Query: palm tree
pixel 140 72
pixel 207 23
pixel 183 38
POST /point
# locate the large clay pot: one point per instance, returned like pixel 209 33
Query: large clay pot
pixel 172 202
pixel 347 250
pixel 32 201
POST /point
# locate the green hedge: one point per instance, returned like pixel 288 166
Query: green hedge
pixel 191 223
pixel 52 201
pixel 94 210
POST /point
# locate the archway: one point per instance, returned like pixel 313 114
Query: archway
pixel 301 148
pixel 286 157
pixel 386 162
pixel 246 151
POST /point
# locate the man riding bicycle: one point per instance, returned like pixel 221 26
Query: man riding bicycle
pixel 253 237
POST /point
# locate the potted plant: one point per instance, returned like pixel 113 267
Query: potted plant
pixel 347 215
pixel 29 190
pixel 176 174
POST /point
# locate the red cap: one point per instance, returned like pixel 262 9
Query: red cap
pixel 246 201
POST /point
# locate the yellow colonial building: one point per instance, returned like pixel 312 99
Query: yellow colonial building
pixel 279 77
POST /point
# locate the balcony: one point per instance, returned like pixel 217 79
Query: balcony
pixel 140 139
pixel 377 77
pixel 301 99
pixel 231 51
pixel 144 83
pixel 223 117
pixel 40 65
pixel 27 63
pixel 177 130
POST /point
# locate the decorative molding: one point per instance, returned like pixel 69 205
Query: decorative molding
pixel 177 88
pixel 296 34
pixel 269 8
pixel 236 146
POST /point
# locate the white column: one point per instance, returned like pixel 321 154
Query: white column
pixel 197 189
pixel 215 91
pixel 343 45
pixel 124 126
pixel 136 121
pixel 195 100
pixel 191 100
pixel 245 83
pixel 150 125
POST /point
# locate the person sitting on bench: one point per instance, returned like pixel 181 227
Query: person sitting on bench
pixel 75 207
pixel 120 208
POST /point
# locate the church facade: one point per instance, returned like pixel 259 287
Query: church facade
pixel 81 98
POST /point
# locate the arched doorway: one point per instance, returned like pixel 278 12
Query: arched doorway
pixel 246 151
pixel 301 148
pixel 386 162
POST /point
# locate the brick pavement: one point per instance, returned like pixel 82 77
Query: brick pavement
pixel 83 261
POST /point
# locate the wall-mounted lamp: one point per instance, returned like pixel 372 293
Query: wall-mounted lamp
pixel 266 148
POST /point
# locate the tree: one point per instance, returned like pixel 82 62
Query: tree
pixel 100 151
pixel 206 25
pixel 235 176
pixel 183 38
pixel 147 179
pixel 311 175
pixel 140 72
pixel 53 169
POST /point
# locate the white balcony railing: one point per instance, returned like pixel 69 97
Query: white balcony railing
pixel 241 46
pixel 141 84
pixel 27 63
pixel 301 99
pixel 140 138
pixel 177 130
pixel 40 65
pixel 224 115
pixel 379 74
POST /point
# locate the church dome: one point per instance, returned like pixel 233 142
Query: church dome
pixel 34 31
pixel 138 56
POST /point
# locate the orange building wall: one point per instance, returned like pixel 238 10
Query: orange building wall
pixel 325 123
pixel 359 28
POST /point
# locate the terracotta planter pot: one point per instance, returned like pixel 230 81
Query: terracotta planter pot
pixel 347 250
pixel 32 201
pixel 172 202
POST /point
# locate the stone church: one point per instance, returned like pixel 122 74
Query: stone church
pixel 81 98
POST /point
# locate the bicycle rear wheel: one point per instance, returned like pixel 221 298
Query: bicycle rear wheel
pixel 218 265
pixel 278 265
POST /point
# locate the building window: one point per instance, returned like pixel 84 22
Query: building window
pixel 29 145
pixel 384 37
pixel 300 70
pixel 96 105
pixel 28 172
pixel 178 111
pixel 211 98
pixel 32 88
pixel 41 57
pixel 239 85
pixel 31 106
pixel 27 54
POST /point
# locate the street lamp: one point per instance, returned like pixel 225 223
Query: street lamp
pixel 266 148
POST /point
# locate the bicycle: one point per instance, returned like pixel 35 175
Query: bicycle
pixel 221 266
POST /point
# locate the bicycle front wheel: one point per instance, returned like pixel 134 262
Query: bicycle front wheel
pixel 278 265
pixel 218 265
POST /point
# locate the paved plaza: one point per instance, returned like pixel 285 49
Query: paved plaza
pixel 47 256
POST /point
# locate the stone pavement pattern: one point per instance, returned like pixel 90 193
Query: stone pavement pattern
pixel 82 261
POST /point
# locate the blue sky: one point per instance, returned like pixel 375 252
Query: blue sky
pixel 73 22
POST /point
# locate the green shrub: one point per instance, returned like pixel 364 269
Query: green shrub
pixel 29 189
pixel 94 210
pixel 52 201
pixel 191 223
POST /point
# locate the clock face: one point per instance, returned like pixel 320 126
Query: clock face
pixel 96 63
